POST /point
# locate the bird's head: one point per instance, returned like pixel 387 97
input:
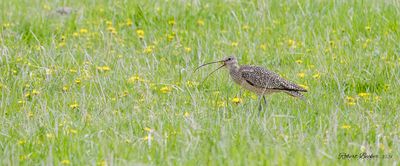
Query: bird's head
pixel 228 62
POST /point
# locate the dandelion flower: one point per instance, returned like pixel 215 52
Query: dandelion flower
pixel 65 162
pixel 263 47
pixel 21 142
pixel 291 43
pixel 200 22
pixel 134 79
pixel 140 33
pixel 148 129
pixel 147 50
pixel 166 89
pixel 350 101
pixel 364 95
pixel 299 61
pixel 83 31
pixel 316 76
pixel 103 68
pixel 72 131
pixel 35 92
pixel 30 114
pixel 171 22
pixel 171 37
pixel 78 81
pixel 147 138
pixel 50 135
pixel 304 86
pixel 187 114
pixel 74 105
pixel 65 88
pixel 236 100
pixel 188 49
pixel 129 22
pixel 234 44
pixel 301 74
pixel 346 127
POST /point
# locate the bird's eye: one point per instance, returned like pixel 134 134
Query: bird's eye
pixel 229 59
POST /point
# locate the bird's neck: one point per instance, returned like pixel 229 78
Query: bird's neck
pixel 233 68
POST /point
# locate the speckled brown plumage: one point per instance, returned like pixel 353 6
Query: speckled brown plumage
pixel 260 80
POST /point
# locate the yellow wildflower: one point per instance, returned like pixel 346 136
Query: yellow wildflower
pixel 74 105
pixel 27 95
pixel 78 81
pixel 23 157
pixel 46 7
pixel 263 47
pixel 140 33
pixel 291 43
pixel 21 142
pixel 188 49
pixel 129 22
pixel 103 68
pixel 134 79
pixel 191 83
pixel 109 23
pixel 377 98
pixel 171 22
pixel 102 163
pixel 234 44
pixel 236 100
pixel 72 131
pixel 166 89
pixel 35 92
pixel 316 76
pixel 304 86
pixel 301 74
pixel 148 50
pixel 30 114
pixel 65 162
pixel 368 28
pixel 148 129
pixel 299 61
pixel 187 114
pixel 50 135
pixel 75 34
pixel 65 88
pixel 147 138
pixel 364 95
pixel 200 22
pixel 171 36
pixel 350 101
pixel 346 127
pixel 221 104
pixel 83 31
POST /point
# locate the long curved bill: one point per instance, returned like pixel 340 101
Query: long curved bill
pixel 212 73
pixel 206 65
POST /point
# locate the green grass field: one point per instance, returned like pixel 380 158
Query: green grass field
pixel 113 83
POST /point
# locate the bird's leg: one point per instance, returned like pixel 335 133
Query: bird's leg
pixel 265 101
pixel 259 105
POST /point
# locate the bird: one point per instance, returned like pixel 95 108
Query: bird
pixel 257 79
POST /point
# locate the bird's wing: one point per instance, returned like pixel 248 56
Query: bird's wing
pixel 262 78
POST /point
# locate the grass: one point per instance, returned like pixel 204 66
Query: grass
pixel 113 82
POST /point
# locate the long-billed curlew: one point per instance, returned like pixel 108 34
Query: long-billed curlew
pixel 257 79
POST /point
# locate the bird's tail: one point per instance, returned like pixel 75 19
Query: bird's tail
pixel 295 94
